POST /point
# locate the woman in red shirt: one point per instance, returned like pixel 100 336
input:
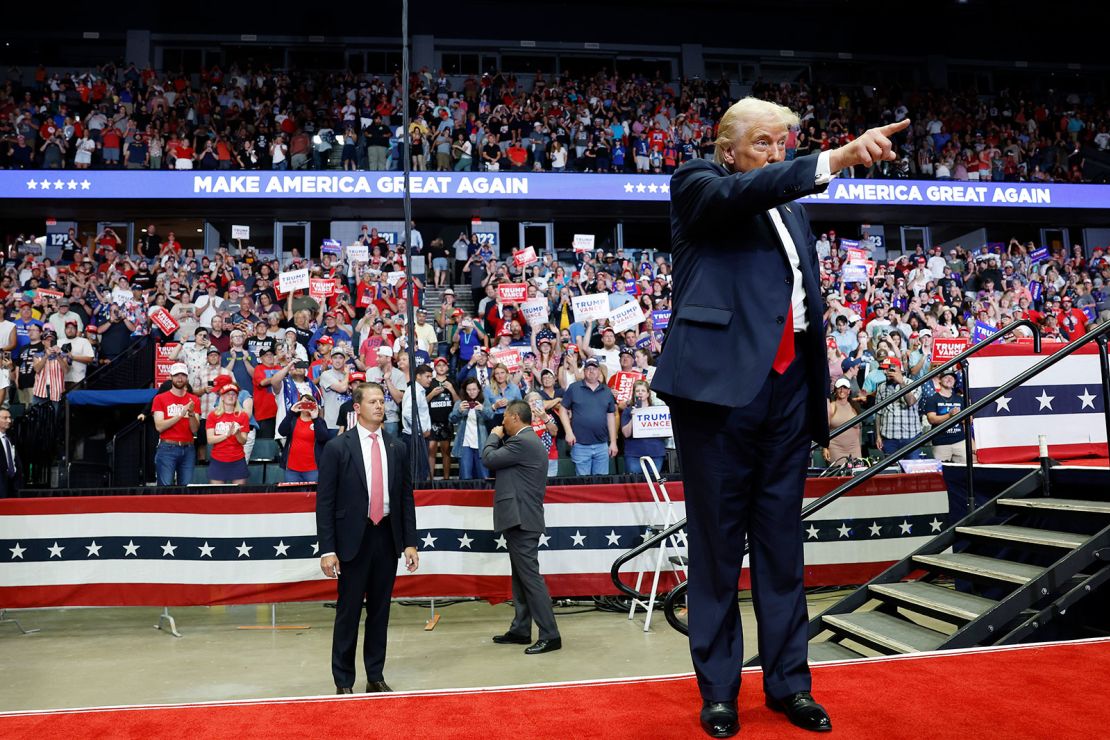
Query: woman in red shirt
pixel 306 433
pixel 227 428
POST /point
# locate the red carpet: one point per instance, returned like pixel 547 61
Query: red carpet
pixel 1049 691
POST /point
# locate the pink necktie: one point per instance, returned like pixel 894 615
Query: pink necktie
pixel 377 489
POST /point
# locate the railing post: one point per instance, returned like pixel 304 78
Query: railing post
pixel 969 467
pixel 1104 367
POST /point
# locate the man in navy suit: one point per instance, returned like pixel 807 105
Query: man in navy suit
pixel 11 479
pixel 744 372
pixel 365 520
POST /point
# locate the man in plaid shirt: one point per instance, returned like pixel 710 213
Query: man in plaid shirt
pixel 900 422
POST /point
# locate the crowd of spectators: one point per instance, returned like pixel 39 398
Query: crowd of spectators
pixel 260 118
pixel 292 359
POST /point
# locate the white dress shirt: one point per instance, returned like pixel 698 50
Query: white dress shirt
pixel 364 441
pixel 798 295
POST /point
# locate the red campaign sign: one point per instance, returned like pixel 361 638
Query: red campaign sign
pixel 621 383
pixel 163 320
pixel 320 288
pixel 163 361
pixel 507 356
pixel 512 292
pixel 855 254
pixel 945 348
pixel 47 293
pixel 525 257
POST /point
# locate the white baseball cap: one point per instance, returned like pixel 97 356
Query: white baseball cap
pixel 179 368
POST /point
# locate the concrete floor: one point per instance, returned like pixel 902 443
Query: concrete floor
pixel 112 656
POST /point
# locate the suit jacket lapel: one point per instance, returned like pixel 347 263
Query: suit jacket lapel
pixel 355 446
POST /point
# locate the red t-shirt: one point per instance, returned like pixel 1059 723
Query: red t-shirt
pixel 230 449
pixel 171 405
pixel 302 447
pixel 265 404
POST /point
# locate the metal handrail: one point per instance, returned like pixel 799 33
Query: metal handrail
pixel 652 542
pixel 1100 335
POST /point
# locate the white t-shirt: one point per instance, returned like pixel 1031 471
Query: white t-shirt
pixel 6 329
pixel 78 346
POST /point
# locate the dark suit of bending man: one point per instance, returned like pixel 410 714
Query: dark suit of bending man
pixel 361 552
pixel 743 369
pixel 519 460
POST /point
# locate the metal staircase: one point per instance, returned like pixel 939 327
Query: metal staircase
pixel 995 577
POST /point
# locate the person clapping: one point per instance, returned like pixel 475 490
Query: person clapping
pixel 227 429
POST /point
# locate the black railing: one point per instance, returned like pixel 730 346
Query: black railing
pixel 655 540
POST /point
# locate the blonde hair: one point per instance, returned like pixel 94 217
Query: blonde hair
pixel 741 115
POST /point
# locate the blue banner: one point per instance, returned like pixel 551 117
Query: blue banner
pixel 129 185
pixel 660 319
pixel 1039 255
pixel 981 331
pixel 854 273
pixel 849 243
pixel 1090 312
pixel 331 246
pixel 1035 289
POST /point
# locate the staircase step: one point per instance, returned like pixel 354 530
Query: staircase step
pixel 1027 535
pixel 820 652
pixel 936 598
pixel 884 630
pixel 1000 570
pixel 1058 504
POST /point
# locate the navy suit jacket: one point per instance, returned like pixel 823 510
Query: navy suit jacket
pixel 10 484
pixel 732 284
pixel 343 497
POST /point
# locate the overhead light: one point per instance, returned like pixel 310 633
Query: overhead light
pixel 200 231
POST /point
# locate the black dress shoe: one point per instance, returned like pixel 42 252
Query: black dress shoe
pixel 512 639
pixel 544 646
pixel 343 690
pixel 720 719
pixel 803 711
pixel 374 687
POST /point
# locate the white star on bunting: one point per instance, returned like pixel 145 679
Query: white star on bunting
pixel 905 526
pixel 56 550
pixel 281 548
pixel 17 551
pixel 936 525
pixel 315 548
pixel 843 530
pixel 1044 400
pixel 876 530
pixel 627 187
pixel 206 550
pixel 429 541
pixel 812 532
pixel 58 184
pixel 646 535
pixel 94 549
pixel 244 549
pixel 85 184
pixel 168 549
pixel 131 549
pixel 501 542
pixel 641 188
pixel 1002 403
pixel 653 188
pixel 613 537
pixel 544 539
pixel 72 184
pixel 465 541
pixel 1087 399
pixel 44 184
pixel 32 184
pixel 664 188
pixel 579 539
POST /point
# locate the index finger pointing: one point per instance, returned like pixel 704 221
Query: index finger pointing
pixel 893 128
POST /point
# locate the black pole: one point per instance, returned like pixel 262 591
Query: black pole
pixel 416 434
pixel 968 454
pixel 1104 367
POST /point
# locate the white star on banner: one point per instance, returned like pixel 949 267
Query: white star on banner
pixel 17 551
pixel 646 535
pixel 168 549
pixel 32 184
pixel 812 532
pixel 72 184
pixel 85 184
pixel 281 548
pixel 1002 403
pixel 936 525
pixel 429 541
pixel 653 188
pixel 465 541
pixel 544 539
pixel 1087 399
pixel 131 549
pixel 94 549
pixel 44 184
pixel 627 187
pixel 664 188
pixel 56 550
pixel 843 530
pixel 58 184
pixel 315 548
pixel 905 526
pixel 244 549
pixel 641 188
pixel 206 550
pixel 1044 400
pixel 876 530
pixel 579 539
pixel 501 542
pixel 613 537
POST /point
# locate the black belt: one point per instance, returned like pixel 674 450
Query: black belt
pixel 176 444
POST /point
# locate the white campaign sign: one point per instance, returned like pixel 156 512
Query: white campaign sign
pixel 653 421
pixel 358 253
pixel 293 280
pixel 535 311
pixel 583 242
pixel 591 307
pixel 240 232
pixel 394 277
pixel 626 316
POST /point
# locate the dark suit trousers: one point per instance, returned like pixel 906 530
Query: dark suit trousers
pixel 530 595
pixel 371 573
pixel 744 472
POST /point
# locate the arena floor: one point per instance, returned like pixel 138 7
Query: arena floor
pixel 112 656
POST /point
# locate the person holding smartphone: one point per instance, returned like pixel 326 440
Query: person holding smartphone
pixel 470 416
pixel 307 433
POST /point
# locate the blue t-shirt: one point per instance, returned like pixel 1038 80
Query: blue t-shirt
pixel 589 412
pixel 938 404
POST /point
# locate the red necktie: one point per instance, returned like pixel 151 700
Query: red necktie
pixel 377 489
pixel 785 354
